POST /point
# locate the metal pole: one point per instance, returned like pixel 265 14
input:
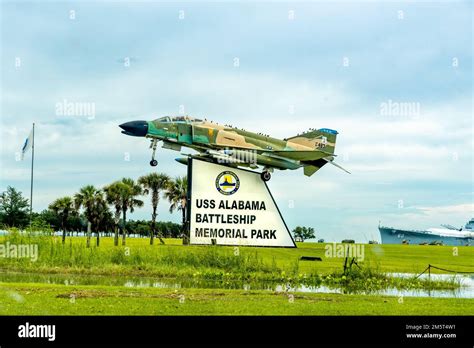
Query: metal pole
pixel 32 164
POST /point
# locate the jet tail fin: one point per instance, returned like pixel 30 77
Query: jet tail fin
pixel 310 170
pixel 319 139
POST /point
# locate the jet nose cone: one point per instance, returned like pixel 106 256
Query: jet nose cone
pixel 135 128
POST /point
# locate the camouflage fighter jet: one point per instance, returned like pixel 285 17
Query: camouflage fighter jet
pixel 236 147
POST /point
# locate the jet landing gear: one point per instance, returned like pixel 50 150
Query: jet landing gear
pixel 265 175
pixel 153 145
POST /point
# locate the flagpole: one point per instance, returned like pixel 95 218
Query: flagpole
pixel 32 165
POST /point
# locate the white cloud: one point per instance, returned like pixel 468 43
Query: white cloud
pixel 467 208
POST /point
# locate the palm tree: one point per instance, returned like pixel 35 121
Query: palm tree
pixel 113 193
pixel 177 194
pixel 63 207
pixel 130 190
pixel 88 198
pixel 99 213
pixel 153 184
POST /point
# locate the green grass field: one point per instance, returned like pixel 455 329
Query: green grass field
pixel 46 299
pixel 222 264
pixel 145 259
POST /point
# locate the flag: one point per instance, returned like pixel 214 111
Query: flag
pixel 27 144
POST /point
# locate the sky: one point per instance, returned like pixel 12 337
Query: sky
pixel 393 78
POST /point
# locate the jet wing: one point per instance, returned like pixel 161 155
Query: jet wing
pixel 298 155
pixel 311 160
pixel 285 154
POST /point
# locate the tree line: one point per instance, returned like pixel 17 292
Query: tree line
pixel 105 209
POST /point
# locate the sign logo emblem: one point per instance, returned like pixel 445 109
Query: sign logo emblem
pixel 227 183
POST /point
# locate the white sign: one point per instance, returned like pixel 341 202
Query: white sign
pixel 233 207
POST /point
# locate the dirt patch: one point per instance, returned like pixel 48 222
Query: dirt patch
pixel 173 295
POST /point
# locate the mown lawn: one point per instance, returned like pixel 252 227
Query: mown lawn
pixel 140 258
pixel 47 299
pixel 222 264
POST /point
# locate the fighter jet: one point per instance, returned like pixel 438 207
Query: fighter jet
pixel 234 147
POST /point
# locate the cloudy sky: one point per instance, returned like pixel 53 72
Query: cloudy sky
pixel 273 67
